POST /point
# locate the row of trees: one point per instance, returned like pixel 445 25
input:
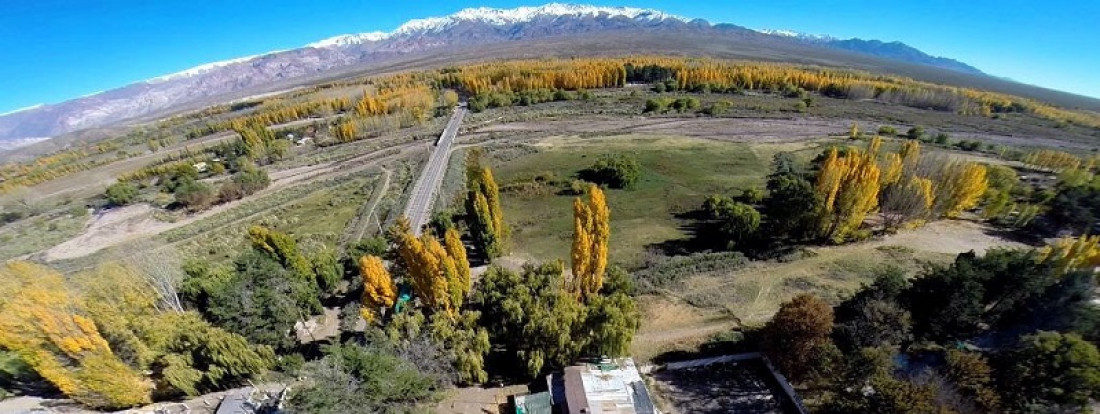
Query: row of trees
pixel 716 75
pixel 834 197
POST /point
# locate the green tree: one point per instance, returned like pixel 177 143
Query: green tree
pixel 611 322
pixel 740 223
pixel 615 171
pixel 121 193
pixel 258 298
pixel 973 293
pixel 353 378
pixel 973 377
pixel 328 268
pixel 790 203
pixel 1051 371
pixel 872 317
pixel 194 195
pixel 538 323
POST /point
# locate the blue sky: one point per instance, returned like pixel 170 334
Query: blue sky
pixel 54 50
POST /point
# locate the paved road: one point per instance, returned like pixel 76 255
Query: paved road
pixel 419 209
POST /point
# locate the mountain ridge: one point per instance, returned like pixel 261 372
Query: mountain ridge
pixel 469 27
pixel 888 49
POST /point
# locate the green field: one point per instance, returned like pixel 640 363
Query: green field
pixel 677 173
pixel 315 218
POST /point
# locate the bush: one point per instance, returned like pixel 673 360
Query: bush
pixel 969 145
pixel 194 195
pixel 887 130
pixel 665 271
pixel 718 108
pixel 655 105
pixel 252 180
pixel 615 171
pixel 122 193
pixel 577 187
pixel 915 132
pixel 942 139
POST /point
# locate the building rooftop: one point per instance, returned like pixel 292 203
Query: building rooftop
pixel 607 387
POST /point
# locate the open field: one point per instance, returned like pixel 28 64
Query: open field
pixel 678 173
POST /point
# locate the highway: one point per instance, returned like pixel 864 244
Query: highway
pixel 419 209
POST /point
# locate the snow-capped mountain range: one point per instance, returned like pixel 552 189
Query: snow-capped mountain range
pixel 588 29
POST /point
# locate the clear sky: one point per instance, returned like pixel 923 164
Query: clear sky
pixel 54 50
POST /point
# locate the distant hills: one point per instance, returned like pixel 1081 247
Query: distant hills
pixel 487 33
pixel 890 50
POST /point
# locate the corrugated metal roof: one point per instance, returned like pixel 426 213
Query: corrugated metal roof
pixel 538 403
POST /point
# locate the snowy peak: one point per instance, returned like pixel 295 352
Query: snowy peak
pixel 350 39
pixel 794 34
pixel 204 68
pixel 497 17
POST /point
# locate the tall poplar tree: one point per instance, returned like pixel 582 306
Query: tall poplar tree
pixel 591 233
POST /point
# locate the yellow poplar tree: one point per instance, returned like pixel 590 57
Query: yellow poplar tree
pixel 378 287
pixel 439 275
pixel 582 241
pixel 893 169
pixel 960 187
pixel 853 132
pixel 910 153
pixel 874 146
pixel 445 280
pixel 457 251
pixel 492 196
pixel 849 189
pixel 829 178
pixel 42 323
pixel 591 233
pixel 1074 253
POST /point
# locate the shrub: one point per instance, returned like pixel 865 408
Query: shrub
pixel 915 132
pixel 252 180
pixel 718 108
pixel 655 105
pixel 122 193
pixel 887 130
pixel 942 139
pixel 194 195
pixel 615 171
pixel 665 271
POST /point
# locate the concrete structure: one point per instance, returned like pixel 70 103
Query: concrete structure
pixel 745 382
pixel 606 387
pixel 419 209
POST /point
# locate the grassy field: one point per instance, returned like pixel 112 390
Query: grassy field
pixel 677 173
pixel 315 218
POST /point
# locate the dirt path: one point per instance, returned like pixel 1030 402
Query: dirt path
pixel 726 129
pixel 359 226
